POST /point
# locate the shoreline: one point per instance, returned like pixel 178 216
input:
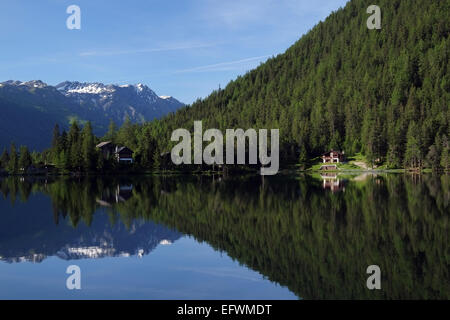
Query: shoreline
pixel 287 171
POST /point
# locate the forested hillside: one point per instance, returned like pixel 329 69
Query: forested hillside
pixel 384 93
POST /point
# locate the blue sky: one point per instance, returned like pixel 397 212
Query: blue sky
pixel 184 49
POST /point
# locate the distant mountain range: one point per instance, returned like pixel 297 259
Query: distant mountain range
pixel 40 238
pixel 31 109
pixel 98 241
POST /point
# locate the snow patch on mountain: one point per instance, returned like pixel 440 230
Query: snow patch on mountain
pixel 31 84
pixel 34 84
pixel 89 88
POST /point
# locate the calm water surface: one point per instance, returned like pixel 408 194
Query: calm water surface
pixel 309 237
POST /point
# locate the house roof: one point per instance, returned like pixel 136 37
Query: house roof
pixel 102 144
pixel 121 149
pixel 334 151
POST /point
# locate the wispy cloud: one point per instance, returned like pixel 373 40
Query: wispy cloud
pixel 115 52
pixel 223 66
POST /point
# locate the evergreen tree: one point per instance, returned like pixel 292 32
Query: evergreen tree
pixel 74 147
pixel 156 160
pixel 88 147
pixel 36 157
pixel 76 156
pixel 433 159
pixel 112 132
pixel 25 160
pixel 74 133
pixel 13 164
pixel 56 143
pixel 445 156
pixel 64 141
pixel 412 154
pixel 101 163
pixel 303 158
pixel 126 135
pixel 4 159
pixel 63 162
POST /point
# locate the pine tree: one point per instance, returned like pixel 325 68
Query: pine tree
pixel 4 159
pixel 111 135
pixel 126 135
pixel 100 166
pixel 56 140
pixel 433 158
pixel 412 154
pixel 63 160
pixel 88 147
pixel 64 141
pixel 13 160
pixel 25 160
pixel 445 156
pixel 156 160
pixel 36 157
pixel 303 158
pixel 74 147
pixel 74 134
pixel 75 156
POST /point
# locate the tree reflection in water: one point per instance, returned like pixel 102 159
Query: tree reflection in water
pixel 293 231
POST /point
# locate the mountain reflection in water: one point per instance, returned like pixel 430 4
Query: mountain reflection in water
pixel 291 230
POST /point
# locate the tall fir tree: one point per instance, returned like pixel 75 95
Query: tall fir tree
pixel 13 165
pixel 111 135
pixel 56 144
pixel 4 159
pixel 25 160
pixel 88 147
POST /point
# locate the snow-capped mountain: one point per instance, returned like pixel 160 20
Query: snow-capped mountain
pixel 30 109
pixel 138 102
pixel 97 241
pixel 32 84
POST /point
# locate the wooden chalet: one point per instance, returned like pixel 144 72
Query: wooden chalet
pixel 333 157
pixel 121 154
pixel 124 154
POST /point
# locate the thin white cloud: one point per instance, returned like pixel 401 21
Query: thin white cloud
pixel 113 52
pixel 223 66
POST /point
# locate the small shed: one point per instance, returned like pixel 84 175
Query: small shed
pixel 124 154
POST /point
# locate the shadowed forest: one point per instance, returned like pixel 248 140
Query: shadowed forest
pixel 316 242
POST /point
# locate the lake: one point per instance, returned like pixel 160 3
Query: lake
pixel 211 237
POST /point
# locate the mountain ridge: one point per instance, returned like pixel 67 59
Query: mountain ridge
pixel 32 108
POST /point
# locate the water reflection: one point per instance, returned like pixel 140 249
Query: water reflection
pixel 293 231
pixel 332 181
